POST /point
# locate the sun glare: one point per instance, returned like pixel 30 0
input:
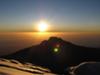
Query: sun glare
pixel 42 26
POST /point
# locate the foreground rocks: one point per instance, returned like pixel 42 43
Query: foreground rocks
pixel 13 67
pixel 86 68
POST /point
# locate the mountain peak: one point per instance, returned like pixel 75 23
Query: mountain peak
pixel 55 40
pixel 56 54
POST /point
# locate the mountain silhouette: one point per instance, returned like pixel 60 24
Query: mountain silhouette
pixel 56 54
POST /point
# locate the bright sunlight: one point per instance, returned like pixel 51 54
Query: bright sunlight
pixel 42 26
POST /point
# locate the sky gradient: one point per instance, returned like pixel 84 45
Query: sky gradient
pixel 62 15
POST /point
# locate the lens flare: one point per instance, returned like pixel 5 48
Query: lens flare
pixel 56 50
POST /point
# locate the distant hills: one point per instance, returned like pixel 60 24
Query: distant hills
pixel 56 54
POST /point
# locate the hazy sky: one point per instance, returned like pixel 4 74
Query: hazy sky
pixel 62 15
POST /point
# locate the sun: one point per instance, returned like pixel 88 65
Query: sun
pixel 42 26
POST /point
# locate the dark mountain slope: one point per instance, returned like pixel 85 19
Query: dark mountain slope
pixel 56 54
